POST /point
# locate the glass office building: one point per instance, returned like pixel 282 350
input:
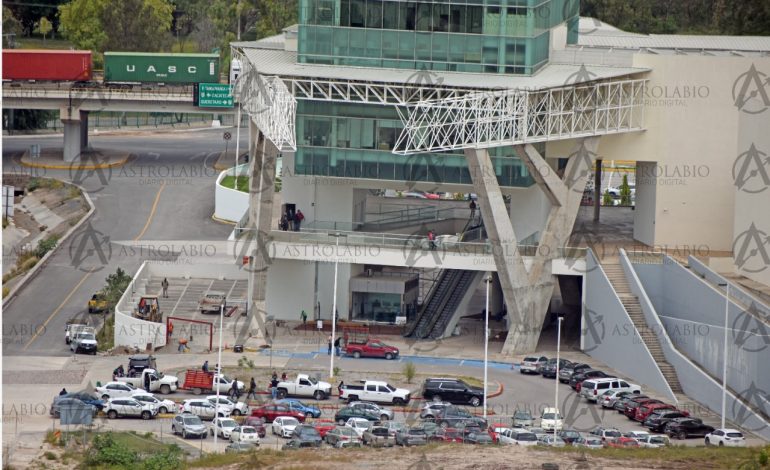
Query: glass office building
pixel 509 37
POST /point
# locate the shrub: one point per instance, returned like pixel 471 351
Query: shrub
pixel 337 371
pixel 46 245
pixel 33 184
pixel 49 455
pixel 409 370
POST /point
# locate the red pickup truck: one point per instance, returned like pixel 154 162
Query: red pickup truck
pixel 371 348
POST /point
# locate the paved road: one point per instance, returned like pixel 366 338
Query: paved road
pixel 164 193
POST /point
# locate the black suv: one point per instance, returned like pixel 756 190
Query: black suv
pixel 682 428
pixel 452 391
pixel 657 422
pixel 456 417
pixel 579 377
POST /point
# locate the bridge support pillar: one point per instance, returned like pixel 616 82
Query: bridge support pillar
pixel 75 123
pixel 528 293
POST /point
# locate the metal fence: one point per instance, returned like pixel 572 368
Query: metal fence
pixel 121 120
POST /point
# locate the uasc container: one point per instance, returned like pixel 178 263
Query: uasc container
pixel 137 67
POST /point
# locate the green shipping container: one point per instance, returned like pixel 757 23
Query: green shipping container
pixel 161 67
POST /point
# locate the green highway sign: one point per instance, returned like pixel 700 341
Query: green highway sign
pixel 215 95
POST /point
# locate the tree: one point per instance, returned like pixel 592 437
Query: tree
pixel 607 199
pixel 625 192
pixel 117 283
pixel 128 25
pixel 11 26
pixel 43 27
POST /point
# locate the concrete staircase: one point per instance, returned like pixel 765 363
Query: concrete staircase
pixel 617 278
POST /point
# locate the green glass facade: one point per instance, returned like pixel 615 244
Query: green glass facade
pixel 480 36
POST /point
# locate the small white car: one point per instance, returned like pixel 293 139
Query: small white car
pixel 223 427
pixel 130 408
pixel 725 438
pixel 245 434
pixel 530 364
pixel 204 409
pixel 235 408
pixel 284 426
pixel 653 441
pixel 517 436
pixel 117 390
pixel 606 434
pixel 551 419
pixel 85 342
pixel 359 425
pixel 163 406
pixel 589 443
pixel 549 440
pixel 637 435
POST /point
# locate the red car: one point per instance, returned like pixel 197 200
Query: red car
pixel 623 442
pixel 632 405
pixel 269 412
pixel 494 427
pixel 371 348
pixel 257 423
pixel 323 426
pixel 644 411
pixel 447 435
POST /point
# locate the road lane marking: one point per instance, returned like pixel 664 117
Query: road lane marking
pixel 152 212
pixel 61 305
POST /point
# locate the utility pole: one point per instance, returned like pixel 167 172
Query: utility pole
pixel 238 12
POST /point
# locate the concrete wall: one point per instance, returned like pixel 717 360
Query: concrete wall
pixel 752 191
pixel 529 211
pixel 133 332
pixel 695 382
pixel 692 312
pixel 645 209
pixel 230 204
pixel 608 334
pixel 736 292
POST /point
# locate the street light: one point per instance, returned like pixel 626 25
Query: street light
pixel 558 352
pixel 334 301
pixel 219 365
pixel 724 359
pixel 487 281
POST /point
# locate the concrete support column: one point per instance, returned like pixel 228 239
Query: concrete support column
pixel 597 190
pixel 73 133
pixel 83 130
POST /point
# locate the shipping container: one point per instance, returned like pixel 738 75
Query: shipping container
pixel 142 67
pixel 31 64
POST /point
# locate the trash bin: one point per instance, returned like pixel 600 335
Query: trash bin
pixel 320 324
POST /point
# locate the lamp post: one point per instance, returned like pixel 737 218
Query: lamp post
pixel 558 353
pixel 334 302
pixel 237 142
pixel 724 352
pixel 219 366
pixel 487 281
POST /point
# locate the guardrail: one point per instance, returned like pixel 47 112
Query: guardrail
pixel 142 94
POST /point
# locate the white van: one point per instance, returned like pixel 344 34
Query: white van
pixel 592 389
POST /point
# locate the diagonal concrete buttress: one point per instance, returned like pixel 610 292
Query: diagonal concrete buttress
pixel 527 294
pixel 255 243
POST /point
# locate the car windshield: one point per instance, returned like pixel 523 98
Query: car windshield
pixel 228 423
pixel 192 420
pixel 313 380
pixel 612 433
pixel 658 440
pixel 390 387
pixel 572 434
pixel 593 442
pixel 734 434
pixel 522 415
pixel 290 422
pixel 248 430
pixel 346 431
pixel 526 436
pixel 310 432
pixel 551 416
pixel 452 433
pixel 417 431
pixel 86 336
pixel 530 359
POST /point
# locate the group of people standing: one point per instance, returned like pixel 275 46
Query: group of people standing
pixel 337 345
pixel 291 220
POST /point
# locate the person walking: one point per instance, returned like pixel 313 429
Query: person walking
pixel 329 351
pixel 284 223
pixel 205 367
pixel 432 239
pixel 473 209
pixel 303 316
pixel 298 218
pixel 252 389
pixel 164 285
pixel 337 346
pixel 274 386
pixel 234 389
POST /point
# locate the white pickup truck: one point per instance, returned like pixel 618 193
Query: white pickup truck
pixel 305 386
pixel 376 391
pixel 159 382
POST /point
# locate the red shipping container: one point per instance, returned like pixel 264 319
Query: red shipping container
pixel 30 64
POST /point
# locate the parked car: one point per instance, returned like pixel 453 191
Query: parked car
pixel 73 400
pixel 374 391
pixel 589 442
pixel 530 364
pixel 84 342
pixel 633 404
pixel 284 426
pixel 453 391
pixel 256 423
pixel 537 431
pixel 636 434
pixel 128 407
pixel 591 389
pixel 204 409
pixel 304 386
pixel 432 408
pixel 117 390
pixel 323 426
pixel 455 417
pixel 518 437
pixel 188 425
pixel 163 406
pixel 72 329
pixel 620 403
pixel 566 373
pixel 344 414
pixel 342 436
pixel 549 440
pixel 447 435
pixel 378 436
pixel 652 441
pixel 479 438
pixel 644 411
pixel 306 436
pixel 606 434
pixel 569 435
pixel 656 422
pixel 236 408
pixel 270 412
pixel 522 419
pixel 548 370
pixel 371 348
pixel 725 438
pixel 245 434
pixel 413 436
pixel 551 419
pixel 577 379
pixel 608 398
pixel 683 428
pixel 384 413
pixel 429 428
pixel 296 405
pixel 359 425
pixel 239 447
pixel 621 442
pixel 394 427
pixel 223 427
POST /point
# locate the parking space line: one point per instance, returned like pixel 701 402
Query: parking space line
pixel 152 212
pixel 180 296
pixel 61 305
